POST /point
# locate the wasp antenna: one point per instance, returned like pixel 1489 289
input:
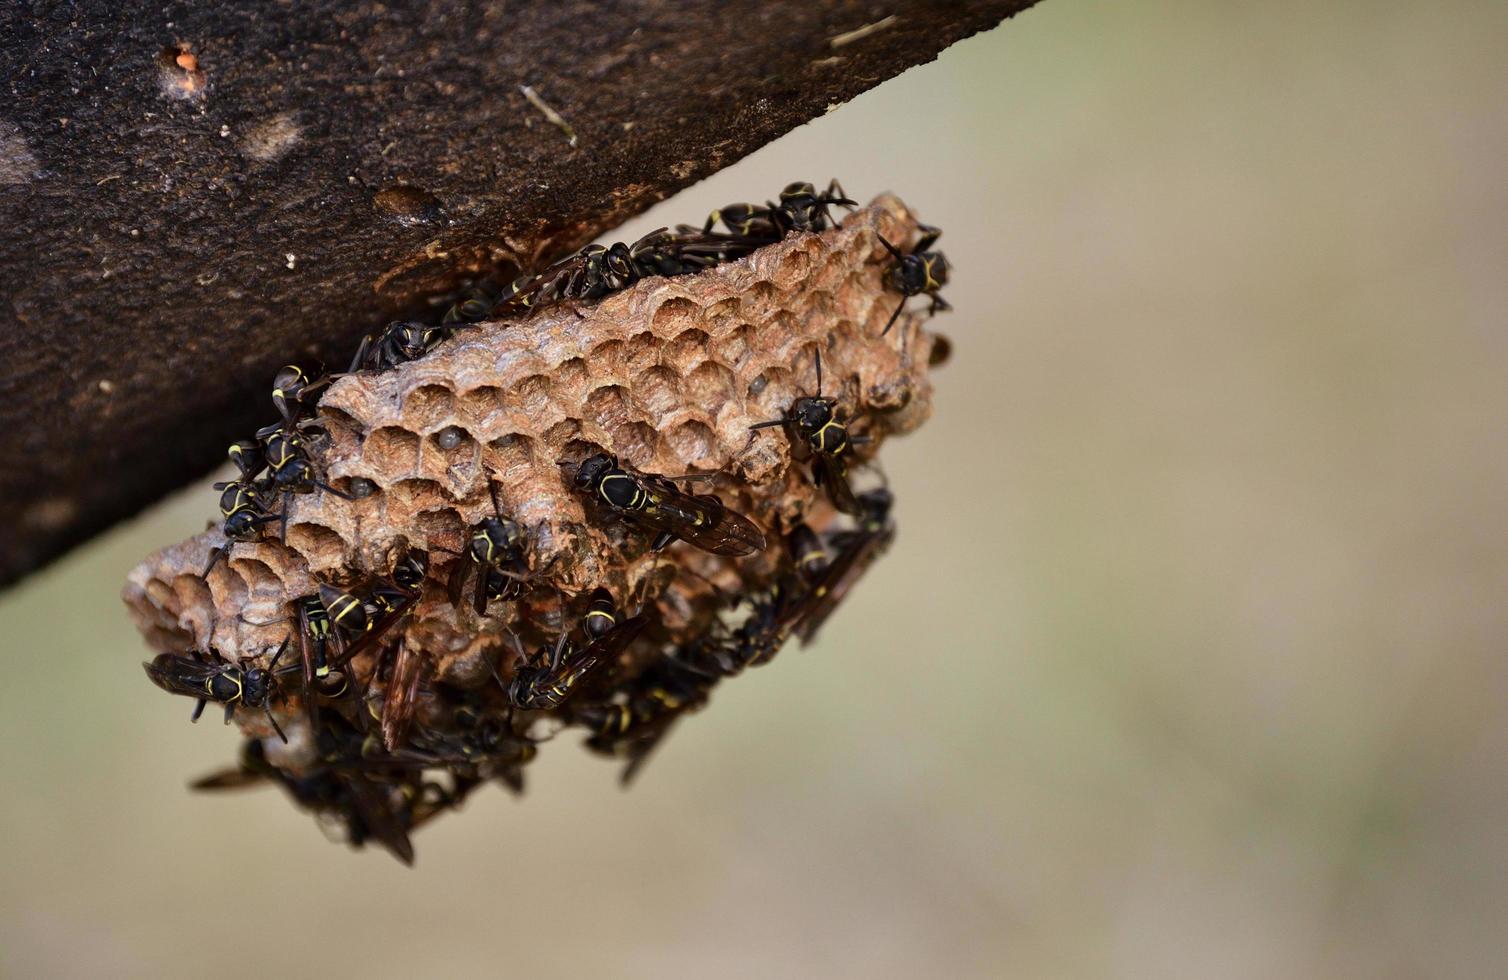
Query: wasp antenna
pixel 275 726
pixel 278 656
pixel 817 352
pixel 894 316
pixel 253 622
pixel 892 249
pixel 329 489
pixel 766 425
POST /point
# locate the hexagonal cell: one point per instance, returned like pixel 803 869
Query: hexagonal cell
pixel 673 315
pixel 686 349
pixel 734 347
pixel 691 440
pixel 658 389
pixel 530 397
pixel 481 403
pixel 429 406
pixel 307 537
pixel 511 456
pixel 256 574
pixel 610 405
pixel 635 440
pixel 392 451
pixel 709 383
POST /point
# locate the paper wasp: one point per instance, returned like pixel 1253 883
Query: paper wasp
pixel 210 677
pixel 397 343
pixel 293 390
pixel 655 502
pixel 846 557
pixel 637 721
pixel 917 272
pixel 597 270
pixel 243 510
pixel 381 799
pixel 291 470
pixel 480 746
pixel 814 423
pixel 801 208
pixel 496 551
pixel 546 680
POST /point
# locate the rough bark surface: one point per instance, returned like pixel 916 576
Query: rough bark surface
pixel 194 193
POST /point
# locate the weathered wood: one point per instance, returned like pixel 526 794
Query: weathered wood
pixel 192 194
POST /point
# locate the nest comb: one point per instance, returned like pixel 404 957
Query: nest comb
pixel 668 375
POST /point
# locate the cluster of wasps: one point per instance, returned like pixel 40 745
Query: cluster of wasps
pixel 392 748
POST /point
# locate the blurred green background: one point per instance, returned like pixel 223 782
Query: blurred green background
pixel 1188 661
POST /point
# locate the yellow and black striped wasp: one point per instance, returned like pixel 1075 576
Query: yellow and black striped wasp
pixel 290 468
pixel 356 795
pixel 546 680
pixel 496 550
pixel 293 392
pixel 597 270
pixel 917 272
pixel 210 677
pixel 801 208
pixel 243 506
pixel 397 343
pixel 656 503
pixel 829 570
pixel 814 423
pixel 635 720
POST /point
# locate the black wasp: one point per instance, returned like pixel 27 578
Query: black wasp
pixel 496 551
pixel 552 675
pixel 293 391
pixel 597 270
pixel 637 719
pixel 243 503
pixel 656 503
pixel 814 423
pixel 363 797
pixel 291 471
pixel 800 208
pixel 918 272
pixel 210 677
pixel 826 572
pixel 473 305
pixel 397 343
pixel 476 745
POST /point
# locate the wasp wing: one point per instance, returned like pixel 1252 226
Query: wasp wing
pixel 830 588
pixel 371 806
pixel 701 520
pixel 180 675
pixel 831 473
pixel 229 779
pixel 455 585
pixel 604 650
pixel 374 633
pixel 402 696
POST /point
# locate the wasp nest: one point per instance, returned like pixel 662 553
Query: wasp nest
pixel 669 375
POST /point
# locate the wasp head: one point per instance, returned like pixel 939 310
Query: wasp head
pixel 592 469
pixel 810 414
pixel 256 687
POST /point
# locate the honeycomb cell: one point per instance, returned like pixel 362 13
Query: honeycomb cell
pixel 393 451
pixel 429 407
pixel 686 349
